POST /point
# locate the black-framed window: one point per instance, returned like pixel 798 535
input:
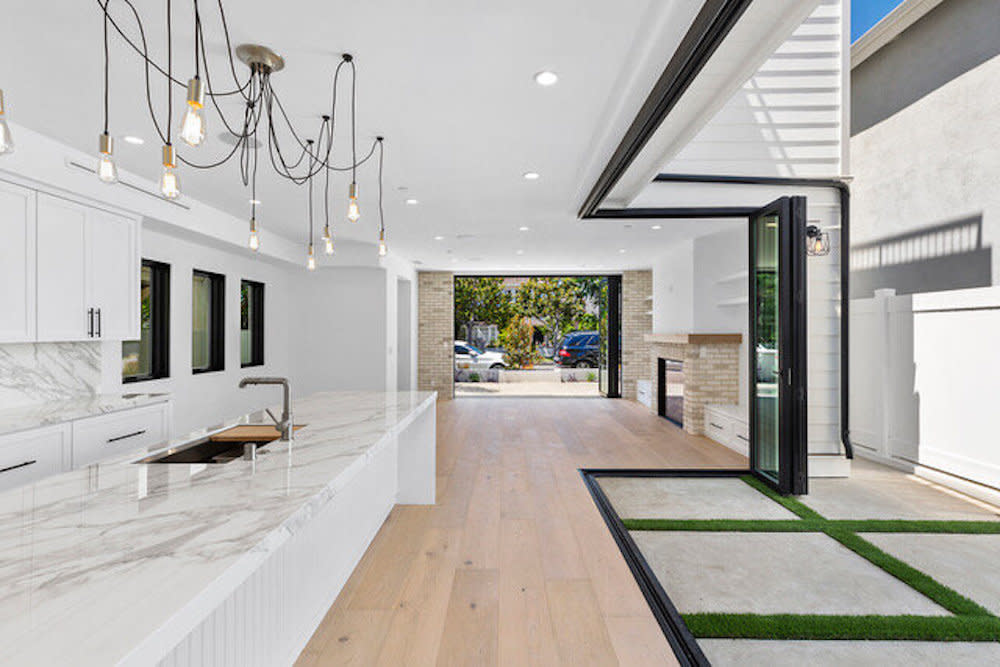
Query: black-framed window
pixel 149 357
pixel 208 322
pixel 251 323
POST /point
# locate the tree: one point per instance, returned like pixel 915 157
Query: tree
pixel 517 340
pixel 555 302
pixel 481 300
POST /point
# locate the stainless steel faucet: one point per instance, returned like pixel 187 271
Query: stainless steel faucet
pixel 285 423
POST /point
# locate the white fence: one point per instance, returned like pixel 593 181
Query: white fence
pixel 925 380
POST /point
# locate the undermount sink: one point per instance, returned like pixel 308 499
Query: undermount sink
pixel 205 450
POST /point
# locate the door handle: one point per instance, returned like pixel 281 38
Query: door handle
pixel 98 322
pixel 90 322
pixel 126 436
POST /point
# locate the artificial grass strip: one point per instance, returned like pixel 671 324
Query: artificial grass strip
pixel 815 626
pixel 814 526
pixel 939 593
pixel 726 525
pixel 789 503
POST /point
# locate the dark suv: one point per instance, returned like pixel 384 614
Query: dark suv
pixel 578 349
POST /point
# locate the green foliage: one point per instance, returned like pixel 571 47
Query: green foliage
pixel 517 342
pixel 555 303
pixel 473 377
pixel 482 300
pixel 591 377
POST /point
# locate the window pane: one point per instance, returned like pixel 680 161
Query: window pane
pixel 201 323
pixel 137 355
pixel 248 322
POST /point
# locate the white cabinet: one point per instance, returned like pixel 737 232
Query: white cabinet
pixel 99 438
pixel 33 455
pixel 17 264
pixel 727 425
pixel 88 273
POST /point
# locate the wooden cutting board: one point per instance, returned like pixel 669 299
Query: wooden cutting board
pixel 250 432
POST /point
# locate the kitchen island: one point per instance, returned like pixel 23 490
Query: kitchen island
pixel 235 563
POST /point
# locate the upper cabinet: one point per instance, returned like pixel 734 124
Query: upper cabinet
pixel 17 264
pixel 70 271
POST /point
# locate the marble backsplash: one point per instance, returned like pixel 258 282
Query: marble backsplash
pixel 37 372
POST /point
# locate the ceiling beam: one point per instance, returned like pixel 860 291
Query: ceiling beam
pixel 708 30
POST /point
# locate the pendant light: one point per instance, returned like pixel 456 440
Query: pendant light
pixel 107 171
pixel 353 211
pixel 193 126
pixel 382 249
pixel 170 183
pixel 254 238
pixel 6 140
pixel 311 258
pixel 327 234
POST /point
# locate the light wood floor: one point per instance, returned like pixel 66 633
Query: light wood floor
pixel 514 565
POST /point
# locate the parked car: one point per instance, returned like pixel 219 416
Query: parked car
pixel 578 349
pixel 468 357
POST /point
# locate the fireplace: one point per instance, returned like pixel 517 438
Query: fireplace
pixel 670 389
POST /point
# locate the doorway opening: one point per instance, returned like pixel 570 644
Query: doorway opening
pixel 538 335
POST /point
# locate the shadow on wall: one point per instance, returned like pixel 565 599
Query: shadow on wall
pixel 947 256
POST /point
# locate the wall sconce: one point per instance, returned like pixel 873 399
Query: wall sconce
pixel 817 242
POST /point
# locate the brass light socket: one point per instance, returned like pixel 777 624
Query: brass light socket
pixel 253 225
pixel 169 157
pixel 196 93
pixel 105 144
pixel 353 192
pixel 2 107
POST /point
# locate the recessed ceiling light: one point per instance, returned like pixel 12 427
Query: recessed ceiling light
pixel 621 250
pixel 439 238
pixel 135 141
pixel 522 228
pixel 657 227
pixel 531 176
pixel 254 202
pixel 519 252
pixel 412 202
pixel 546 78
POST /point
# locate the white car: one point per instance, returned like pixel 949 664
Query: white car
pixel 469 358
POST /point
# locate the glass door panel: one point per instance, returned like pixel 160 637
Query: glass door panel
pixel 778 427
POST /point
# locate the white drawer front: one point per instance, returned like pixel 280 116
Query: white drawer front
pixel 99 438
pixel 718 427
pixel 33 455
pixel 741 437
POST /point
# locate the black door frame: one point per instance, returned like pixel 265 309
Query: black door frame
pixel 614 338
pixel 791 355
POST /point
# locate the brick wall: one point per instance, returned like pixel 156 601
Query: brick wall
pixel 435 311
pixel 711 375
pixel 637 286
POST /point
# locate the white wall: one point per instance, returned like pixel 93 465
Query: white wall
pixel 207 398
pixel 673 289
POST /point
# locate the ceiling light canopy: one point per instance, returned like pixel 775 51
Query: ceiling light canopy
pixel 546 78
pixel 261 113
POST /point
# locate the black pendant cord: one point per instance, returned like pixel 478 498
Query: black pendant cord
pixel 253 180
pixel 197 36
pixel 170 71
pixel 309 141
pixel 354 106
pixel 381 213
pixel 106 67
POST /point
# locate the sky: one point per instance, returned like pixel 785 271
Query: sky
pixel 866 13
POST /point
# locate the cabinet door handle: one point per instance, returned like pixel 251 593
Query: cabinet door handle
pixel 90 322
pixel 714 424
pixel 127 435
pixel 98 322
pixel 742 438
pixel 19 465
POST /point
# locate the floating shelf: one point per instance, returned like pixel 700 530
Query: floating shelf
pixel 733 277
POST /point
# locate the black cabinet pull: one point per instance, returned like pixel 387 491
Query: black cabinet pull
pixel 19 465
pixel 98 322
pixel 742 438
pixel 714 424
pixel 90 322
pixel 127 435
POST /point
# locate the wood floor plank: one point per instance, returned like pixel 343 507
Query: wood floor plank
pixel 579 626
pixel 471 631
pixel 526 636
pixel 512 513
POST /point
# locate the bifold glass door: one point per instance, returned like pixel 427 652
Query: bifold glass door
pixel 610 345
pixel 778 428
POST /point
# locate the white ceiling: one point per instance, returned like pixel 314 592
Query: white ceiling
pixel 449 84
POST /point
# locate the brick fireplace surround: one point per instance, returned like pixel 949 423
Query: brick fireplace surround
pixel 711 370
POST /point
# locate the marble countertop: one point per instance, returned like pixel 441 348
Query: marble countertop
pixel 94 561
pixel 59 411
